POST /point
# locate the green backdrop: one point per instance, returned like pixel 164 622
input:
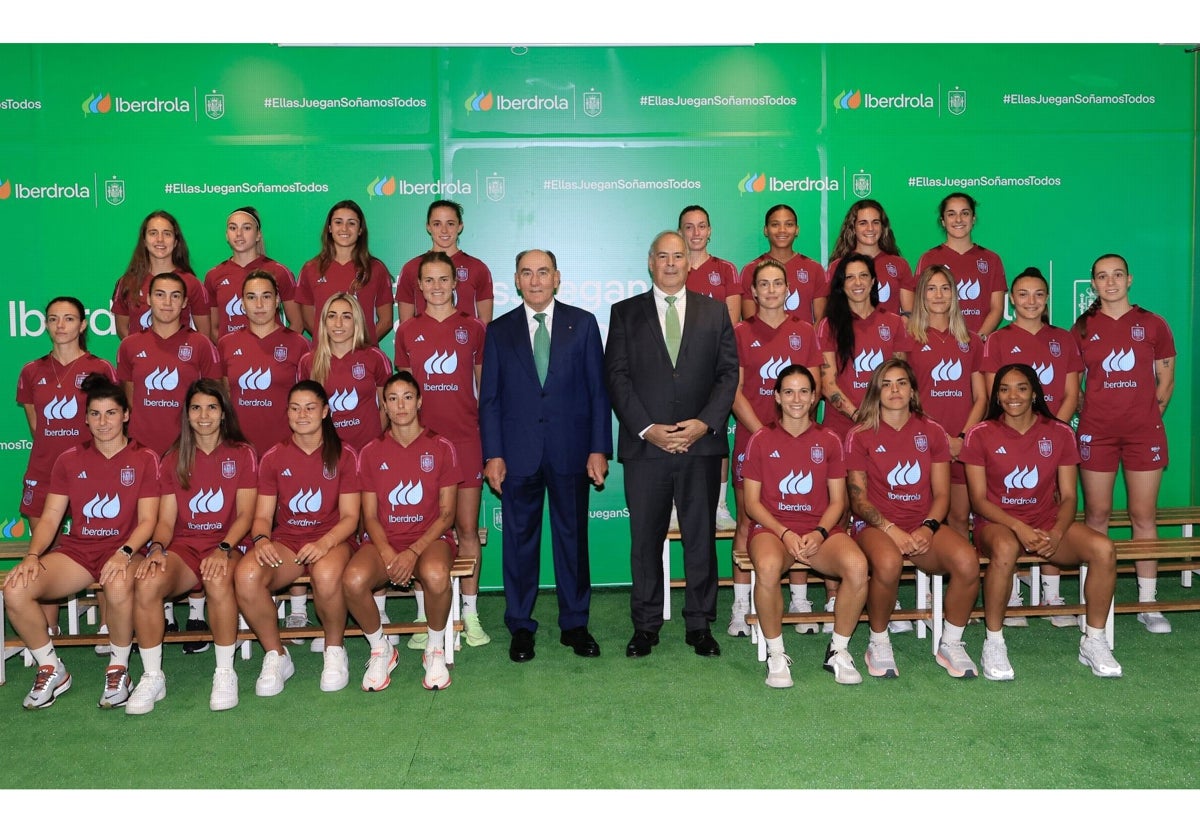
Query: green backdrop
pixel 1071 151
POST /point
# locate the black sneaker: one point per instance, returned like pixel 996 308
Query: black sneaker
pixel 195 647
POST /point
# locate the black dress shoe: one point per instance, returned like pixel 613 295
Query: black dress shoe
pixel 641 643
pixel 521 647
pixel 703 643
pixel 581 641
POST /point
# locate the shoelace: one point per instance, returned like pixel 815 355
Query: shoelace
pixel 112 678
pixel 43 676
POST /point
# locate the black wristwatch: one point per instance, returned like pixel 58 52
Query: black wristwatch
pixel 127 551
pixel 932 525
pixel 224 546
pixel 824 534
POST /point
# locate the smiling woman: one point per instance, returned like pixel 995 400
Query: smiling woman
pixel 473 294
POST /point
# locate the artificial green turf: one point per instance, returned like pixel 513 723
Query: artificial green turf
pixel 672 720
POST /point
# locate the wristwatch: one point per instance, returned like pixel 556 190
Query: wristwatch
pixel 932 525
pixel 127 551
pixel 224 546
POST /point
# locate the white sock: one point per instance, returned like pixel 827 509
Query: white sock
pixel 775 645
pixel 1016 589
pixel 880 638
pixel 420 596
pixel 741 592
pixel 151 658
pixel 119 654
pixel 1049 588
pixel 381 602
pixel 225 655
pixel 838 642
pixel 169 611
pixel 298 603
pixel 799 591
pixel 437 639
pixel 1147 589
pixel 45 655
pixel 375 640
pixel 470 604
pixel 950 633
pixel 995 636
pixel 1094 632
pixel 195 608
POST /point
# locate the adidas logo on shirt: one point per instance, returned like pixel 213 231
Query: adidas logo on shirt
pixel 756 344
pixel 82 474
pixel 383 466
pixel 225 282
pixel 42 381
pixel 287 472
pixel 1001 451
pixel 141 355
pixel 419 338
pixel 880 448
pixel 776 454
pixel 1094 337
pixel 1015 349
pixel 926 349
pixel 237 352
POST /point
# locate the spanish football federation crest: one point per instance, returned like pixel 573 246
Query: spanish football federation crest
pixel 1045 447
pixel 1137 333
pixel 330 474
pixel 426 463
pixel 128 476
pixel 460 335
pixel 593 103
pixel 794 341
pixel 498 519
pixel 1055 348
pixel 861 184
pixel 185 353
pixel 982 265
pixel 281 353
pixel 817 454
pixel 214 105
pixel 495 187
pixel 114 191
pixel 228 469
pixel 358 370
pixel 802 275
pixel 921 441
pixel 885 332
pixel 956 101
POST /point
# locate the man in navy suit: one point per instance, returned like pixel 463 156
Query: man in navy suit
pixel 672 371
pixel 546 425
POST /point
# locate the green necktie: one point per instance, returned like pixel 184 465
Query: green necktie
pixel 541 347
pixel 673 330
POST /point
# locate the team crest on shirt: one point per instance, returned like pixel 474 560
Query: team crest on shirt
pixel 885 332
pixel 79 377
pixel 1045 447
pixel 460 335
pixel 426 463
pixel 27 499
pixel 185 353
pixel 358 370
pixel 963 347
pixel 802 275
pixel 714 278
pixel 1055 348
pixel 817 454
pixel 1137 333
pixel 460 273
pixel 128 476
pixel 794 341
pixel 228 469
pixel 281 353
pixel 892 272
pixel 330 474
pixel 921 441
pixel 982 265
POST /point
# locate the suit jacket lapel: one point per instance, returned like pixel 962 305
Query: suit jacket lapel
pixel 654 328
pixel 523 346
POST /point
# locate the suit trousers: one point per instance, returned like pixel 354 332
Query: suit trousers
pixel 651 484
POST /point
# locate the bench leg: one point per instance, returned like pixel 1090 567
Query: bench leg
pixel 452 635
pixel 1035 585
pixel 922 602
pixel 939 598
pixel 666 580
pixel 1185 577
pixel 245 646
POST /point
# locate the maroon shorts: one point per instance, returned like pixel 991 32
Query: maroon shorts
pixel 1142 448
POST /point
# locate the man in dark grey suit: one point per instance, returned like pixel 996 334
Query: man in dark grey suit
pixel 672 371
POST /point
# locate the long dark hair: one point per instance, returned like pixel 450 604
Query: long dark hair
pixel 994 411
pixel 331 443
pixel 185 444
pixel 847 241
pixel 130 284
pixel 79 308
pixel 837 310
pixel 362 254
pixel 1081 322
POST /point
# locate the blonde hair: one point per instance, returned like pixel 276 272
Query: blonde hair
pixel 323 351
pixel 918 321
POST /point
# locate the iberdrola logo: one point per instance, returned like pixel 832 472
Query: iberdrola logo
pixel 5 189
pixel 97 104
pixel 13 529
pixel 753 183
pixel 382 186
pixel 480 101
pixel 848 100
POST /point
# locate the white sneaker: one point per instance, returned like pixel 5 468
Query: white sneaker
pixel 151 688
pixel 104 648
pixel 827 627
pixel 1016 620
pixel 116 687
pixel 1059 620
pixel 803 605
pixel 379 668
pixel 995 661
pixel 317 645
pixel 391 638
pixel 724 520
pixel 841 665
pixel 473 630
pixel 779 670
pixel 336 674
pixel 881 661
pixel 224 693
pixel 295 621
pixel 953 657
pixel 737 619
pixel 901 626
pixel 674 524
pixel 1094 653
pixel 50 681
pixel 1155 622
pixel 437 676
pixel 277 669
